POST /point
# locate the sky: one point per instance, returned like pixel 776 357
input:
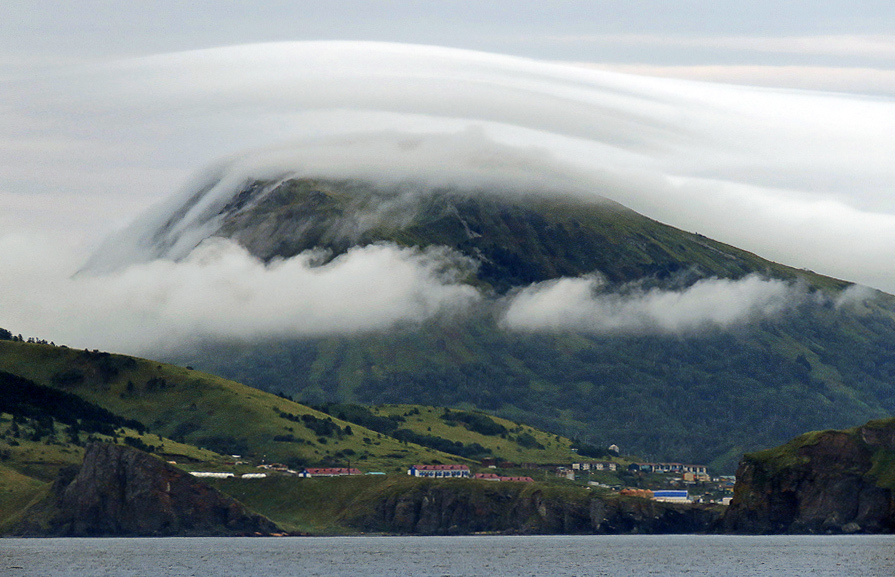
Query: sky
pixel 764 124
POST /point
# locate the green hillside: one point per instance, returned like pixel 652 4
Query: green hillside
pixel 471 433
pixel 705 395
pixel 207 411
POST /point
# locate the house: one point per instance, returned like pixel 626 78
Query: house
pixel 565 473
pixel 488 476
pixel 595 466
pixel 329 472
pixel 495 477
pixel 440 471
pixel 700 471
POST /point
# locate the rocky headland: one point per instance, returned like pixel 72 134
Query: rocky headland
pixel 121 491
pixel 821 482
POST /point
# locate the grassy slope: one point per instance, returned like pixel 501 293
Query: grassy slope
pixel 203 409
pixel 17 493
pixel 428 421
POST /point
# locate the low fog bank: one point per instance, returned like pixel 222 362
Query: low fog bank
pixel 584 305
pixel 222 292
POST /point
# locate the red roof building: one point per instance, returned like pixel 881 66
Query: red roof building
pixel 487 476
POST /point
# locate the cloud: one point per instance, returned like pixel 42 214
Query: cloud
pixel 220 291
pixel 799 177
pixel 863 45
pixel 855 296
pixel 404 166
pixel 879 81
pixel 579 304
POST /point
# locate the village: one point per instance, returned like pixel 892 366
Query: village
pixel 659 481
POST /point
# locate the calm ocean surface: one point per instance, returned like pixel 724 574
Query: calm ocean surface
pixel 867 556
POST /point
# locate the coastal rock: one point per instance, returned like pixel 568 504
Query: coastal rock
pixel 461 508
pixel 120 491
pixel 825 482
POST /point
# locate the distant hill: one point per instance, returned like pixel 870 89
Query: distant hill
pixel 706 394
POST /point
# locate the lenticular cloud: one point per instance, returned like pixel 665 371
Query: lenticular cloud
pixel 787 174
pixel 803 178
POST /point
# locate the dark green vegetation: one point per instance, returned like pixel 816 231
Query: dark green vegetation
pixel 44 405
pixel 701 396
pixel 820 482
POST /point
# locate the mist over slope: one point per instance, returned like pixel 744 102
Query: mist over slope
pixel 425 222
pixel 575 314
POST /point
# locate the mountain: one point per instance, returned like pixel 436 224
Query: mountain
pixel 685 348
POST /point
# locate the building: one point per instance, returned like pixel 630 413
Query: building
pixel 495 477
pixel 672 496
pixel 329 472
pixel 565 473
pixel 487 476
pixel 699 471
pixel 440 471
pixel 595 466
pixel 211 475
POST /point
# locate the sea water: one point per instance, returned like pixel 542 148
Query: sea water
pixel 815 556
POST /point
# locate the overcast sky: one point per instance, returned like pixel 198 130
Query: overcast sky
pixel 107 108
pixel 830 34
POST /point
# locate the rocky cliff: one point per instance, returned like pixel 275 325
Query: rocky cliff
pixel 823 482
pixel 445 508
pixel 120 491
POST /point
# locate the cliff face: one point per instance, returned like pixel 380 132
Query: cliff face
pixel 120 491
pixel 828 482
pixel 454 509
